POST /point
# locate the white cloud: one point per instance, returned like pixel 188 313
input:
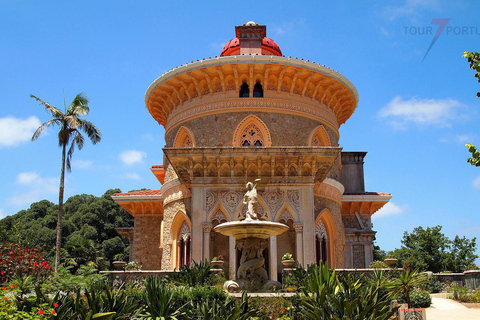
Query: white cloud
pixel 148 137
pixel 2 214
pixel 389 209
pixel 411 9
pixel 476 183
pixel 27 178
pixel 422 112
pixel 131 175
pixel 82 164
pixel 14 131
pixel 36 188
pixel 130 157
pixel 463 138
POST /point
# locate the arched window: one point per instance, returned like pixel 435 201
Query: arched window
pixel 244 90
pixel 258 90
pixel 321 243
pixel 184 138
pixel 252 136
pixel 184 245
pixel 319 137
pixel 251 132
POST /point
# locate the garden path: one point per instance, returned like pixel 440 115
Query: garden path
pixel 446 309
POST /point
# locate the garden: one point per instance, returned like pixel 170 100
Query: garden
pixel 31 290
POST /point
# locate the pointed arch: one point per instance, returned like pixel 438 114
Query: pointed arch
pixel 324 226
pixel 288 209
pixel 252 131
pixel 184 138
pixel 214 214
pixel 319 137
pixel 180 233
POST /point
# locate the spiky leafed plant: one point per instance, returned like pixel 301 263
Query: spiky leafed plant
pixel 71 126
pixel 407 280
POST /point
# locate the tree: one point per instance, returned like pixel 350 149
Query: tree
pixel 474 160
pixel 429 249
pixel 474 60
pixel 406 281
pixel 71 127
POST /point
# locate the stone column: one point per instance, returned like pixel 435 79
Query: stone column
pixel 273 258
pixel 232 260
pixel 308 207
pixel 299 242
pixel 198 209
pixel 207 228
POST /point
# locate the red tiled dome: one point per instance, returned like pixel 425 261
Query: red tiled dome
pixel 269 47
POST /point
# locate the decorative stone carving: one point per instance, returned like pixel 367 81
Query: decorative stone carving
pixel 323 190
pixel 298 227
pixel 269 105
pixel 219 217
pixel 274 200
pixel 230 200
pixel 176 193
pixel 285 216
pixel 320 230
pixel 211 198
pixel 207 227
pixel 294 199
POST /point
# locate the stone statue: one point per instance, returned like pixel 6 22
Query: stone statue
pixel 250 199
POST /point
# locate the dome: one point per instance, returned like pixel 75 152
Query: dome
pixel 269 47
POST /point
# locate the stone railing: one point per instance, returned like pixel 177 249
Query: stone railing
pixel 120 277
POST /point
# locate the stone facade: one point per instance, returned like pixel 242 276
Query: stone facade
pixel 232 119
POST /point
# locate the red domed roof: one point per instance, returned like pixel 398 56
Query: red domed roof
pixel 269 47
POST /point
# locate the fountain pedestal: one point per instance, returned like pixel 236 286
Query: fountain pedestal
pixel 251 236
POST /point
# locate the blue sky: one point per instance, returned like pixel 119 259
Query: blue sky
pixel 414 117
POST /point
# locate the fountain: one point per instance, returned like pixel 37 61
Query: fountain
pixel 251 234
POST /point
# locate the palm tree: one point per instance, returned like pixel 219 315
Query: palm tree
pixel 407 280
pixel 71 126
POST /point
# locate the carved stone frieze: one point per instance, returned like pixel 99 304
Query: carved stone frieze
pixel 211 199
pixel 294 199
pixel 323 190
pixel 272 105
pixel 176 193
pixel 274 200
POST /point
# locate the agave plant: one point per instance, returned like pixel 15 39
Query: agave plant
pixel 196 273
pixel 216 310
pixel 158 300
pixel 327 296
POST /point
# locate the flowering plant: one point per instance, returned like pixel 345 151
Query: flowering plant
pixel 218 258
pixel 18 260
pixel 133 265
pixel 471 266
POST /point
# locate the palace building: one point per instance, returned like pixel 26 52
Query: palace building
pixel 253 113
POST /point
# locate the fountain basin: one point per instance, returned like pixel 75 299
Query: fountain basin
pixel 251 229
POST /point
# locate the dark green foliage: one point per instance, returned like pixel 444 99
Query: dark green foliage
pixel 326 296
pixel 429 249
pixel 221 310
pixel 474 160
pixel 419 299
pixel 474 60
pixel 433 285
pixel 196 273
pixel 158 300
pixel 88 231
